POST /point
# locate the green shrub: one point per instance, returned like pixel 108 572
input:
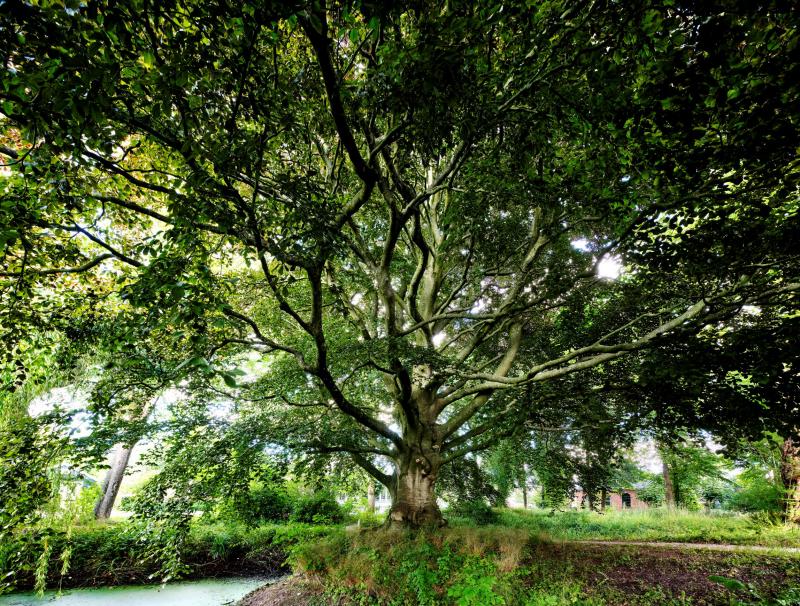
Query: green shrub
pixel 85 503
pixel 130 553
pixel 317 508
pixel 265 503
pixel 475 585
pixel 757 496
pixel 368 519
pixel 477 512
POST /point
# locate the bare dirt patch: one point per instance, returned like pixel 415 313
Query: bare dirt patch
pixel 292 591
pixel 635 570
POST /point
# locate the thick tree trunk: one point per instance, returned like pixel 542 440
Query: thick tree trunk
pixel 371 497
pixel 603 497
pixel 414 499
pixel 112 481
pixel 790 477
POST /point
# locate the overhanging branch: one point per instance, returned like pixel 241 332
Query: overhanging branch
pixel 60 270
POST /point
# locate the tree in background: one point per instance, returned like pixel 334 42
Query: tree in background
pixel 693 472
pixel 508 466
pixel 760 483
pixel 737 380
pixel 123 398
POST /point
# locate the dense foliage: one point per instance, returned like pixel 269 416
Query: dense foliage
pixel 117 555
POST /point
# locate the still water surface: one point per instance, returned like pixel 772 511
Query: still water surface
pixel 206 592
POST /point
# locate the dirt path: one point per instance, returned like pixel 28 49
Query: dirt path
pixel 290 591
pixel 675 545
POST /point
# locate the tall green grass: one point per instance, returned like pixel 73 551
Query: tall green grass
pixel 656 524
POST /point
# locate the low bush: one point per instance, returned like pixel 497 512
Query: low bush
pixel 262 503
pixel 317 508
pixel 368 519
pixel 757 496
pixel 476 512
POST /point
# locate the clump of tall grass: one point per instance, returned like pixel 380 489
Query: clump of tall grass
pixel 462 565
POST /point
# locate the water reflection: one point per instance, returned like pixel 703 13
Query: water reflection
pixel 206 592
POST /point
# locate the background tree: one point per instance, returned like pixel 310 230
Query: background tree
pixel 694 474
pixel 761 486
pixel 737 380
pixel 508 465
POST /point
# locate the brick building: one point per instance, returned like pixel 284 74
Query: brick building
pixel 624 499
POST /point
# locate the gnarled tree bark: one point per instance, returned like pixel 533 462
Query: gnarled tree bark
pixel 414 496
pixel 414 500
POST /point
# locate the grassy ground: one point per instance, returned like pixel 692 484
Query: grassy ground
pixel 622 574
pixel 466 566
pixel 653 525
pixel 523 560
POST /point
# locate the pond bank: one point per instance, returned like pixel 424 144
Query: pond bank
pixel 289 591
pixel 110 555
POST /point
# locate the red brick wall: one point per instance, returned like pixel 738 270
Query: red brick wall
pixel 616 500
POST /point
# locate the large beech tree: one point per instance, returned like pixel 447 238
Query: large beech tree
pixel 400 208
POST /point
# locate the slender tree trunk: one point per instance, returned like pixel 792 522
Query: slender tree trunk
pixel 603 497
pixel 371 496
pixel 119 463
pixel 524 496
pixel 790 477
pixel 669 488
pixel 112 481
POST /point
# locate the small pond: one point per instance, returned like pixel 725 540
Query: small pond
pixel 206 592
